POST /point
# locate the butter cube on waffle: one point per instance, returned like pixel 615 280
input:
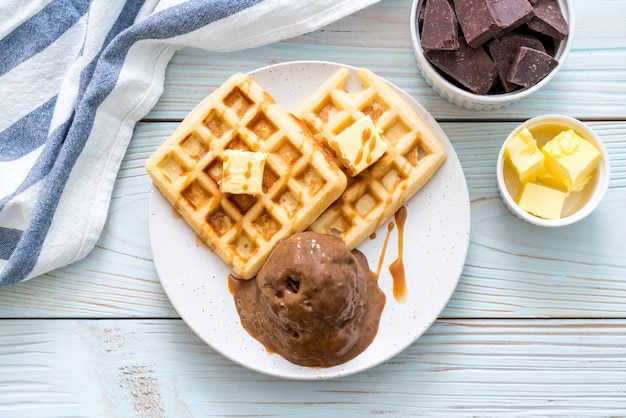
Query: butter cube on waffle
pixel 413 155
pixel 300 179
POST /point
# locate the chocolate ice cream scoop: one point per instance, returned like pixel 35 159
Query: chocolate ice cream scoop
pixel 314 302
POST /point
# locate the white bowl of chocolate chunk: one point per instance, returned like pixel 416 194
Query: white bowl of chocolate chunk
pixel 486 54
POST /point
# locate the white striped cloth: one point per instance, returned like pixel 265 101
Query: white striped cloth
pixel 75 77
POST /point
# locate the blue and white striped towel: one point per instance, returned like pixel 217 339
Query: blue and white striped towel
pixel 75 77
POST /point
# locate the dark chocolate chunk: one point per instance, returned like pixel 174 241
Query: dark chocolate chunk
pixel 470 67
pixel 548 19
pixel 530 66
pixel 510 14
pixel 476 20
pixel 440 28
pixel 503 51
pixel 492 33
pixel 481 20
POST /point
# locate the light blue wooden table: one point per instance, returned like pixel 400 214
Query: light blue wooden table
pixel 537 325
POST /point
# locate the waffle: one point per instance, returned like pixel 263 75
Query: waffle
pixel 300 179
pixel 413 155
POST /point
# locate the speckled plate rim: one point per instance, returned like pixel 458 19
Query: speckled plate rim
pixel 436 240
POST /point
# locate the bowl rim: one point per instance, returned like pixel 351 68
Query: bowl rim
pixel 604 172
pixel 502 98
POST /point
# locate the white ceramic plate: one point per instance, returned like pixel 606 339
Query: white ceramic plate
pixel 436 239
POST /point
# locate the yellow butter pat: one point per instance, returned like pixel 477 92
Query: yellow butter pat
pixel 544 202
pixel 550 180
pixel 524 156
pixel 571 159
pixel 242 172
pixel 359 146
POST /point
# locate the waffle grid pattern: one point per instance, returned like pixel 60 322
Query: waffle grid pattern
pixel 413 155
pixel 300 179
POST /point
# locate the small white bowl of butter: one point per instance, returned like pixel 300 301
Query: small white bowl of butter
pixel 552 170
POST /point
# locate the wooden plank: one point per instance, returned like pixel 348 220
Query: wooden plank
pixel 157 368
pixel 589 86
pixel 513 269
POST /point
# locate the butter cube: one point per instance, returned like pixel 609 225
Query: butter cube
pixel 571 159
pixel 242 172
pixel 544 202
pixel 550 180
pixel 359 146
pixel 524 156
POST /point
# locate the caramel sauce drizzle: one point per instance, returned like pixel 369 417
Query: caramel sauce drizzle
pixel 397 267
pixel 384 250
pixel 369 158
pixel 365 136
pixel 358 157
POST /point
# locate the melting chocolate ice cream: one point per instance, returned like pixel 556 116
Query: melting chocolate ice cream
pixel 314 302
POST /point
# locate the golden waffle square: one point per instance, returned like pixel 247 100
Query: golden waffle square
pixel 300 179
pixel 413 155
